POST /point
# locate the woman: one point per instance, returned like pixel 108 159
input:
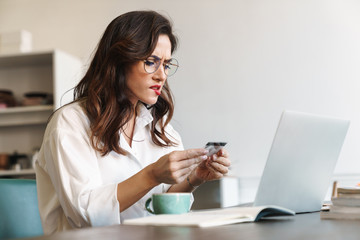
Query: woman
pixel 109 150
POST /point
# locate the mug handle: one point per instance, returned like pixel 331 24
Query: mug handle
pixel 147 203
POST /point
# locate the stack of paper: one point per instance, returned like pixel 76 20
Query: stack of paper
pixel 345 205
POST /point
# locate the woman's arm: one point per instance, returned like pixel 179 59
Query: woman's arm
pixel 134 188
pixel 172 168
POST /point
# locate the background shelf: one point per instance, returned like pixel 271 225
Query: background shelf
pixel 11 173
pixel 53 72
pixel 31 115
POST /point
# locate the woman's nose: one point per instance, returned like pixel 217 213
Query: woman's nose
pixel 160 73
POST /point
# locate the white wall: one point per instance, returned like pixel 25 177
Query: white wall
pixel 242 63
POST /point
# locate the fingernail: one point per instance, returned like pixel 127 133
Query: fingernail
pixel 203 157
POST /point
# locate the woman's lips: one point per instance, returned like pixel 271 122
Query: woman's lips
pixel 157 89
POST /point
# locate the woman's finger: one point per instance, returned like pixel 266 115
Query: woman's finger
pixel 221 160
pixel 223 153
pixel 190 162
pixel 219 167
pixel 187 154
pixel 216 174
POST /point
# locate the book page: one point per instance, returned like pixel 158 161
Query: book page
pixel 250 212
pixel 208 218
pixel 344 209
pixel 349 190
pixel 198 220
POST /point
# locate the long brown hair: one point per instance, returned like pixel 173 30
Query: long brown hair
pixel 129 38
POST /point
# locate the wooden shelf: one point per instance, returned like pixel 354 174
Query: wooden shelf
pixel 23 109
pixel 30 115
pixel 26 59
pixel 7 173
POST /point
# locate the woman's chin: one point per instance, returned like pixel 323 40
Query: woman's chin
pixel 150 101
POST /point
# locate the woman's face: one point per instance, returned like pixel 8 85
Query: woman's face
pixel 146 87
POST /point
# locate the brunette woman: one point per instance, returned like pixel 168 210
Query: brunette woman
pixel 110 149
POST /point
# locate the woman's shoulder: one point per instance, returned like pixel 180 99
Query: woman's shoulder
pixel 70 116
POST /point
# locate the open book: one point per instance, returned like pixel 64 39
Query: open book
pixel 210 218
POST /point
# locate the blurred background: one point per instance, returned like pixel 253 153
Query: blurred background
pixel 242 62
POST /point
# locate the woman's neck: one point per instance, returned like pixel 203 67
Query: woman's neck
pixel 129 127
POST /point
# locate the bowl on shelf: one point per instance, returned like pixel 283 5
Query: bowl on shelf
pixel 7 98
pixel 37 98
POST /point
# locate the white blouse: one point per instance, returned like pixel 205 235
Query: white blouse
pixel 77 186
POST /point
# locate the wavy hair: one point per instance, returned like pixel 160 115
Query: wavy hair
pixel 129 38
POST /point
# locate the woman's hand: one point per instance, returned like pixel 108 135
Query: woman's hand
pixel 174 167
pixel 215 167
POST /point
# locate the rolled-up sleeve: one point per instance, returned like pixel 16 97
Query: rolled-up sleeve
pixel 73 168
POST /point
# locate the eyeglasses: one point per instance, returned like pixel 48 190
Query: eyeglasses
pixel 153 63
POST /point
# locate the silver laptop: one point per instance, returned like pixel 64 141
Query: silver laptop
pixel 301 161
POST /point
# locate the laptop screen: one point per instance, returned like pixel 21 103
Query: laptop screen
pixel 301 161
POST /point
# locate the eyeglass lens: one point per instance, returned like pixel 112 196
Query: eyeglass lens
pixel 152 64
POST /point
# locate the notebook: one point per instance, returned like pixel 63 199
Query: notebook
pixel 212 217
pixel 301 161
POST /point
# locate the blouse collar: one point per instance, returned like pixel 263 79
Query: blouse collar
pixel 144 116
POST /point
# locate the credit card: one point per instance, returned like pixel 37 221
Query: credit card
pixel 214 147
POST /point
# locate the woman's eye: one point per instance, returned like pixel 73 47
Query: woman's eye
pixel 167 66
pixel 150 62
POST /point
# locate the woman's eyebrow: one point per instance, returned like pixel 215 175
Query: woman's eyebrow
pixel 158 58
